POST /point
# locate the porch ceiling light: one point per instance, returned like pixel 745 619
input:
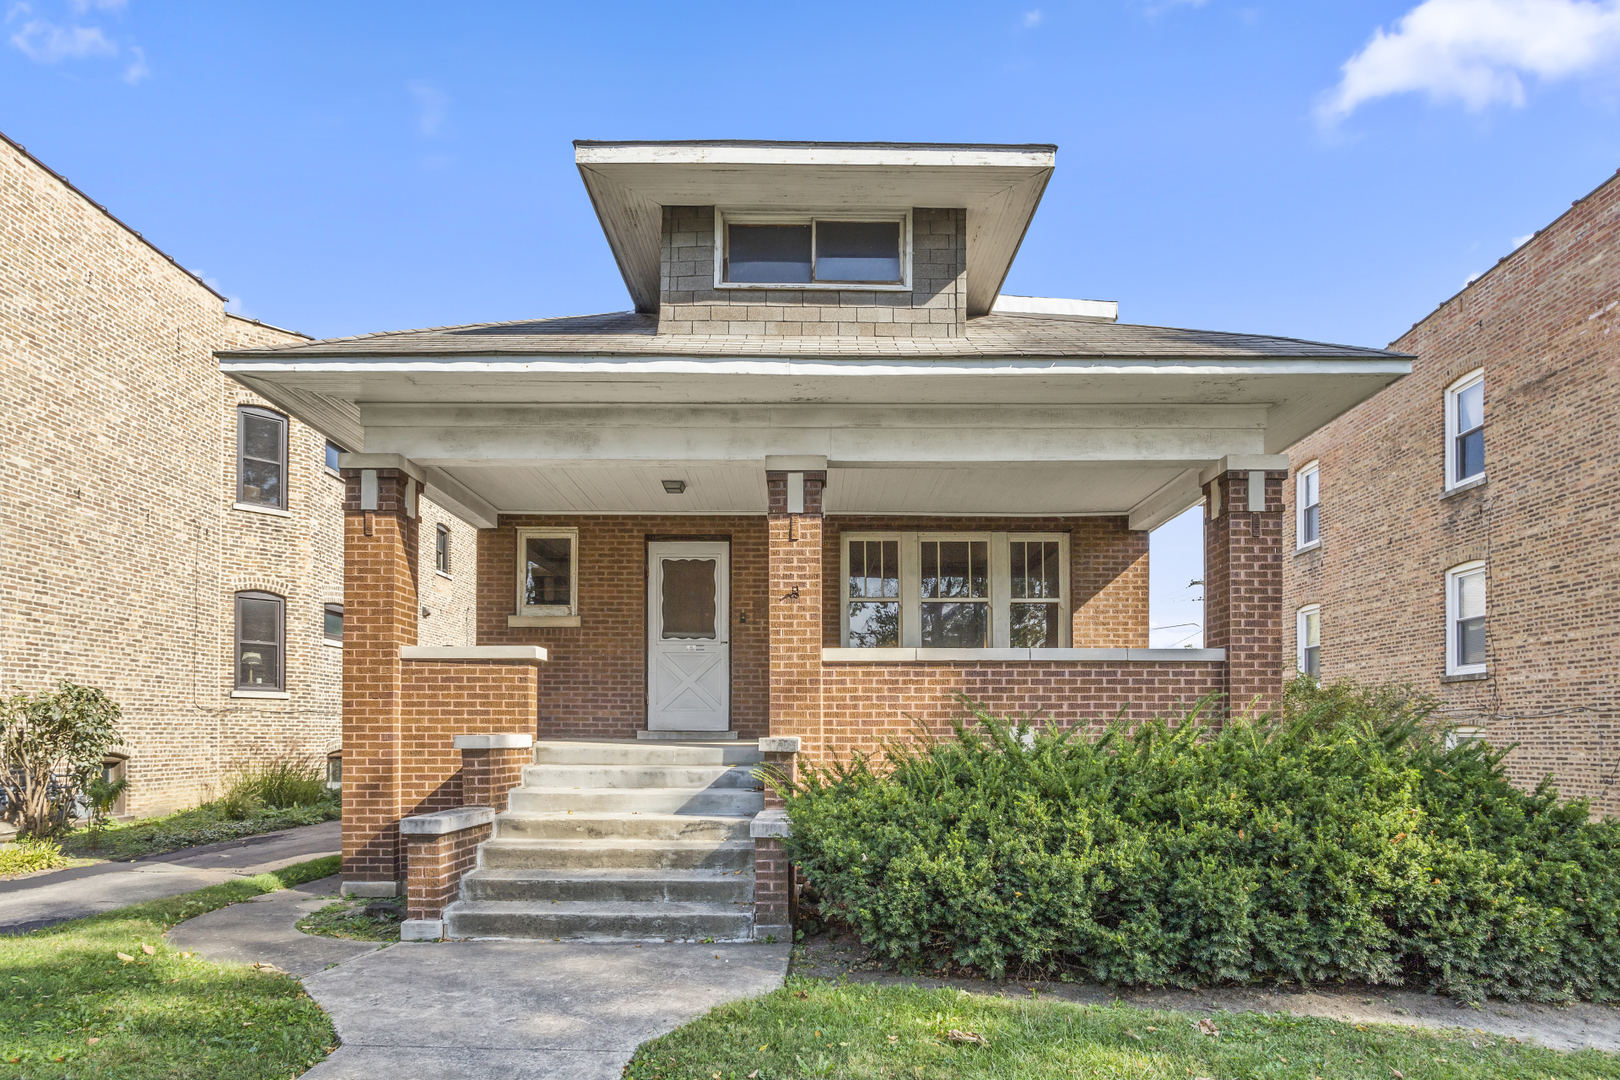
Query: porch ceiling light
pixel 674 487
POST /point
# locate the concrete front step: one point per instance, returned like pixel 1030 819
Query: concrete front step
pixel 686 736
pixel 610 885
pixel 620 827
pixel 575 921
pixel 639 776
pixel 686 801
pixel 589 752
pixel 502 853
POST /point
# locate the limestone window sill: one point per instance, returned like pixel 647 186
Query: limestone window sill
pixel 272 511
pixel 1469 676
pixel 329 643
pixel 333 473
pixel 1314 545
pixel 270 695
pixel 444 575
pixel 542 620
pixel 1466 485
pixel 890 656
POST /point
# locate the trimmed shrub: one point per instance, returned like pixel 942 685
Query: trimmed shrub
pixel 279 784
pixel 1337 838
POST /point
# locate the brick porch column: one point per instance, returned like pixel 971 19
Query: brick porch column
pixel 1243 591
pixel 379 616
pixel 795 598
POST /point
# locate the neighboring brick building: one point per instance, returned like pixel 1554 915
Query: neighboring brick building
pixel 823 479
pixel 127 535
pixel 1467 534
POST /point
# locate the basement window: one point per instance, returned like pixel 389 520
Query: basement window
pixel 955 590
pixel 548 572
pixel 776 251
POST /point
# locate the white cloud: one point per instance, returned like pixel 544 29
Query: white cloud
pixel 137 69
pixel 1519 241
pixel 81 6
pixel 1475 51
pixel 48 43
pixel 432 105
pixel 1033 19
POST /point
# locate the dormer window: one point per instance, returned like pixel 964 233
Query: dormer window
pixel 807 251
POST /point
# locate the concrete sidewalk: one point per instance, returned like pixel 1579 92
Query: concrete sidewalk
pixel 42 899
pixel 483 1010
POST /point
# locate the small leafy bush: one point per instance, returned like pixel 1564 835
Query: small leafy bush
pixel 30 854
pixel 52 744
pixel 1337 838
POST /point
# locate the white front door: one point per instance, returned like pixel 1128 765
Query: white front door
pixel 688 643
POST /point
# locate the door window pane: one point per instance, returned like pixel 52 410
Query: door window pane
pixel 688 600
pixel 768 254
pixel 548 571
pixel 858 251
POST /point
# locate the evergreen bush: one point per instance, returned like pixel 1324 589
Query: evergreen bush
pixel 1337 838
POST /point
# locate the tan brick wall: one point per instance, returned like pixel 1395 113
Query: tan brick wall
pixel 1544 325
pixel 121 552
pixel 451 602
pixel 935 306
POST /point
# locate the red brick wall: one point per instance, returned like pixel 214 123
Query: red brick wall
pixel 440 699
pixel 772 903
pixel 1243 588
pixel 594 684
pixel 488 776
pixel 1544 324
pixel 865 703
pixel 436 865
pixel 1108 570
pixel 797 563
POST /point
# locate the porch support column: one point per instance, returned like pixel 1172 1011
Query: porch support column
pixel 794 526
pixel 1243 593
pixel 380 516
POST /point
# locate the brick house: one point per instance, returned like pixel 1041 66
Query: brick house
pixel 168 536
pixel 822 478
pixel 1458 530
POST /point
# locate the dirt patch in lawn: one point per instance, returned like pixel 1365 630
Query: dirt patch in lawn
pixel 834 954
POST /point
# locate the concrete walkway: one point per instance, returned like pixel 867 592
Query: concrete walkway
pixel 42 899
pixel 483 1010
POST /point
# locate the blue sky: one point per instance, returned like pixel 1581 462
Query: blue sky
pixel 1311 170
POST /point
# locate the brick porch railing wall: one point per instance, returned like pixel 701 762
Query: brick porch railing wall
pixel 442 699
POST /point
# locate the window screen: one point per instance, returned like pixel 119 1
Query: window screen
pixel 768 254
pixel 858 251
pixel 259 652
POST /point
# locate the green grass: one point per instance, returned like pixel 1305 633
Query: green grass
pixel 207 824
pixel 348 919
pixel 72 1009
pixel 814 1028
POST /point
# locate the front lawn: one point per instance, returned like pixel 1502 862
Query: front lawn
pixel 206 824
pixel 812 1028
pixel 106 997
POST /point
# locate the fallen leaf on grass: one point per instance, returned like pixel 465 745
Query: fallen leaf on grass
pixel 1398 1074
pixel 1208 1028
pixel 972 1037
pixel 754 1075
pixel 801 994
pixel 148 950
pixel 92 1042
pixel 126 958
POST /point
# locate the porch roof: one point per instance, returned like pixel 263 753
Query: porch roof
pixel 1025 415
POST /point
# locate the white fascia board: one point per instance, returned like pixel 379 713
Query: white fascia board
pixel 767 154
pixel 446 491
pixel 1105 310
pixel 1176 497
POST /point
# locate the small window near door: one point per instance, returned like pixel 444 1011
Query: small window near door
pixel 1307 499
pixel 259 638
pixel 441 549
pixel 1308 630
pixel 261 454
pixel 334 624
pixel 548 571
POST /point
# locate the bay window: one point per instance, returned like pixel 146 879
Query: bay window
pixel 955 590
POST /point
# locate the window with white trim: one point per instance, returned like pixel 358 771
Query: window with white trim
pixel 801 251
pixel 1465 429
pixel 1465 619
pixel 1307 507
pixel 955 590
pixel 548 571
pixel 1308 638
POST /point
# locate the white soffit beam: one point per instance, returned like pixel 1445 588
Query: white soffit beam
pixel 1179 495
pixel 460 500
pixel 999 186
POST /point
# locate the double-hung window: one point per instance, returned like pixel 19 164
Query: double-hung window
pixel 332 624
pixel 548 572
pixel 1465 619
pixel 441 549
pixel 809 251
pixel 260 633
pixel 1465 430
pixel 1308 638
pixel 261 457
pixel 1308 507
pixel 955 590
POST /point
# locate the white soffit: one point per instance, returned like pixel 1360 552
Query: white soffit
pixel 630 183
